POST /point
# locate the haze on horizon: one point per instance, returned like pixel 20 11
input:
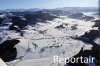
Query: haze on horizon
pixel 49 4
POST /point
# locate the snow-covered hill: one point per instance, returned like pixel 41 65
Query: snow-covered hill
pixel 40 43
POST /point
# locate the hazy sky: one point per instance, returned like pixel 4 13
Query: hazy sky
pixel 12 4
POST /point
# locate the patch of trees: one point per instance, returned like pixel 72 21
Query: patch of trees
pixel 94 52
pixel 8 51
pixel 97 23
pixel 60 27
pixel 1 20
pixel 81 16
pixel 87 18
pixel 19 22
pixel 89 37
pixel 39 16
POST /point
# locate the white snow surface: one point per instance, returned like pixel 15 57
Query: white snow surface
pixel 40 43
pixel 97 41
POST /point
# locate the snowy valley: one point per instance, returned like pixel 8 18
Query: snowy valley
pixel 53 34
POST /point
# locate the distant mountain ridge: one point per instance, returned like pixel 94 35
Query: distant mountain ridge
pixel 79 9
pixel 73 9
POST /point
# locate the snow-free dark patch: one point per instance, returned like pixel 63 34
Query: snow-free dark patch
pixel 89 37
pixel 1 20
pixel 80 16
pixel 8 51
pixel 94 52
pixel 19 21
pixel 60 27
pixel 97 23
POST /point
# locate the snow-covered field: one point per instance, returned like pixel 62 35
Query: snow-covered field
pixel 42 42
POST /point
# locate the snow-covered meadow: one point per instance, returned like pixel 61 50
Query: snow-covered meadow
pixel 40 43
